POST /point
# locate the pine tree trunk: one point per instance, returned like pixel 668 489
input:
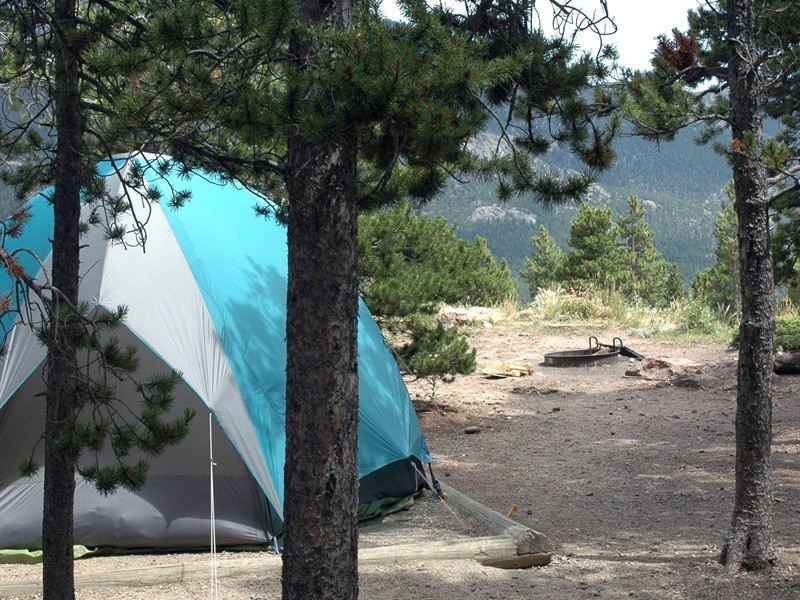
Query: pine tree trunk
pixel 321 475
pixel 59 476
pixel 749 541
pixel 321 479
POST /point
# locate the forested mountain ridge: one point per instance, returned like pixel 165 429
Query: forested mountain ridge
pixel 681 184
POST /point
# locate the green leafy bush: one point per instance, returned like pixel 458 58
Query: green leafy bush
pixel 787 333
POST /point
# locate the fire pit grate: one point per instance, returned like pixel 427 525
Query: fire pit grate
pixel 596 353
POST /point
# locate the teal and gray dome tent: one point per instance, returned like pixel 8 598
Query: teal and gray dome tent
pixel 206 297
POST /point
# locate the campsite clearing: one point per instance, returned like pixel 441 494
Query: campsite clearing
pixel 631 477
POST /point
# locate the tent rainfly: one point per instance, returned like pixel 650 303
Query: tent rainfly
pixel 206 296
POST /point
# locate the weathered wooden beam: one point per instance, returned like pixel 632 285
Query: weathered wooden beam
pixel 495 547
pixel 483 549
pixel 511 546
pixel 528 540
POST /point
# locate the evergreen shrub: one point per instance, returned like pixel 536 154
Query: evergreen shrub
pixel 435 350
pixel 411 264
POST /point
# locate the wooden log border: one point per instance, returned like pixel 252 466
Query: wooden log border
pixel 531 546
pixel 512 546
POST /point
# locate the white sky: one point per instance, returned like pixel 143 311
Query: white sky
pixel 638 22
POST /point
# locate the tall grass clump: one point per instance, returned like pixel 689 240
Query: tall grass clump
pixel 556 305
pixel 696 317
pixel 611 307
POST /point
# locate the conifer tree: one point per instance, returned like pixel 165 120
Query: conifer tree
pixel 331 109
pixel 718 286
pixel 55 126
pixel 736 65
pixel 410 263
pixel 543 268
pixel 594 259
pixel 674 288
pixel 646 269
pixel 786 246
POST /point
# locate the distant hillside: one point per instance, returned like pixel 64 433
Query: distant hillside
pixel 682 185
pixel 7 201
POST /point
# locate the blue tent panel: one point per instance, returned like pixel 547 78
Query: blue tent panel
pixel 240 263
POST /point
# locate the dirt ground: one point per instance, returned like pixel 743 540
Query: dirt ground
pixel 630 476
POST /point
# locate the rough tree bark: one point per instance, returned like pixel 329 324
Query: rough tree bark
pixel 59 475
pixel 321 475
pixel 749 541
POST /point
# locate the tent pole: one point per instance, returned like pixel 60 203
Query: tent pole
pixel 213 516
